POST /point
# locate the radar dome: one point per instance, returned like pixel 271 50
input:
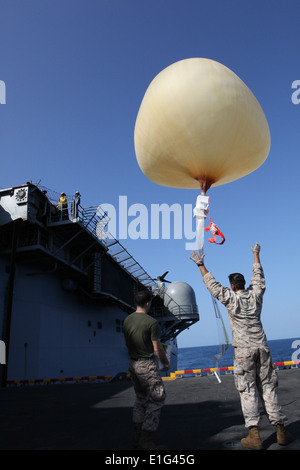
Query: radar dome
pixel 179 298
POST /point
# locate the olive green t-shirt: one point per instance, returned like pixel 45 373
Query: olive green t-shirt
pixel 140 329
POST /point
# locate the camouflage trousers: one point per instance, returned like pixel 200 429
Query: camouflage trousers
pixel 255 377
pixel 150 393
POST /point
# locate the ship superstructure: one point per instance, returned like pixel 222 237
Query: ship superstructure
pixel 67 285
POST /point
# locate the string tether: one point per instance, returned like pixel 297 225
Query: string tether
pixel 201 212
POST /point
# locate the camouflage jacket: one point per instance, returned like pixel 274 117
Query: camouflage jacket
pixel 244 308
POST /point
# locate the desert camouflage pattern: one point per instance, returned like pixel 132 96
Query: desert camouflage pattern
pixel 150 393
pixel 244 308
pixel 254 371
pixel 255 377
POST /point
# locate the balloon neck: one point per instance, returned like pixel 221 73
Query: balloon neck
pixel 205 184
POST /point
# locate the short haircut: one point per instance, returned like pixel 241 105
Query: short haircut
pixel 142 298
pixel 237 280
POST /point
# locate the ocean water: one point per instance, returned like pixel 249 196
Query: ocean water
pixel 203 357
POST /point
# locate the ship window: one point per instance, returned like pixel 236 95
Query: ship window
pixel 119 325
pixel 99 325
pixel 89 323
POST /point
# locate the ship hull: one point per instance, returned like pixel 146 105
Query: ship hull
pixel 56 333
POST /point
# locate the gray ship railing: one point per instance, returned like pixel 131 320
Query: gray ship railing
pixel 95 220
pixel 181 312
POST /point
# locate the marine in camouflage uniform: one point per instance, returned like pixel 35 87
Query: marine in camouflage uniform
pixel 254 371
pixel 142 335
pixel 150 393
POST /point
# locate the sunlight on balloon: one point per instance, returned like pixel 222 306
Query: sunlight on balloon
pixel 199 125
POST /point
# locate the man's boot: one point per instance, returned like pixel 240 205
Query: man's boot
pixel 283 436
pixel 146 442
pixel 252 441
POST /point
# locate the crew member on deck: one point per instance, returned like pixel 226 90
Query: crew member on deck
pixel 75 205
pixel 254 371
pixel 63 206
pixel 142 337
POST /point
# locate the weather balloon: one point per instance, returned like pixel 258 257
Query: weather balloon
pixel 199 124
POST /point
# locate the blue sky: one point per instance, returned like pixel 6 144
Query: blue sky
pixel 75 73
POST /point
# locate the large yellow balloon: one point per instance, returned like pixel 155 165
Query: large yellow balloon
pixel 198 123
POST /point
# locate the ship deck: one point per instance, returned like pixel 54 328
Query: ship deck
pixel 199 414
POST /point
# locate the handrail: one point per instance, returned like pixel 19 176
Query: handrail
pixel 94 219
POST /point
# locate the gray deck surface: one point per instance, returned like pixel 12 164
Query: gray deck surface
pixel 199 414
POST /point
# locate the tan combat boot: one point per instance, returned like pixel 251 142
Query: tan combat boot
pixel 252 441
pixel 283 437
pixel 146 442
